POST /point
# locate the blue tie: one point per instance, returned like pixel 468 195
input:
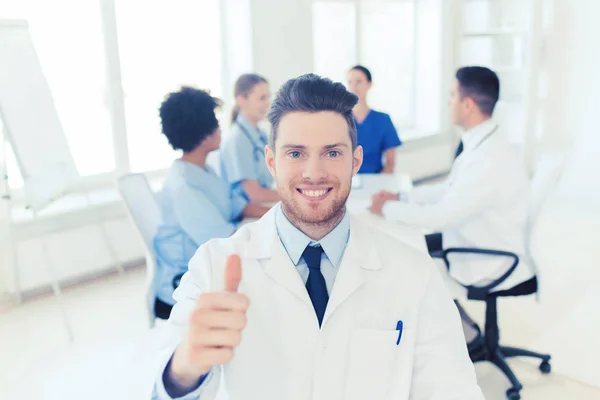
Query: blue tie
pixel 315 285
pixel 459 149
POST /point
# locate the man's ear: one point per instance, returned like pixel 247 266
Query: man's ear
pixel 270 160
pixel 358 159
pixel 469 104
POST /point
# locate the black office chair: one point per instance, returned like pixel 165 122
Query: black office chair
pixel 490 348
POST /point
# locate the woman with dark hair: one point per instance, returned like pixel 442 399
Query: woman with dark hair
pixel 243 152
pixel 376 132
pixel 195 204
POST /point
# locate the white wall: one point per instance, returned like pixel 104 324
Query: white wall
pixel 431 65
pixel 572 256
pixel 282 39
pixel 573 94
pixel 76 251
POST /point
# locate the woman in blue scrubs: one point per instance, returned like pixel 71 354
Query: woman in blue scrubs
pixel 196 205
pixel 243 152
pixel 375 130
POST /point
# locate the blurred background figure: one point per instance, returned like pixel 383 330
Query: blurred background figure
pixel 483 202
pixel 196 204
pixel 243 152
pixel 376 132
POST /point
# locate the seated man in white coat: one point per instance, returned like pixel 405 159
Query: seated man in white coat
pixel 482 203
pixel 308 302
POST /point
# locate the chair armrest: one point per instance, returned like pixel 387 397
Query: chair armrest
pixel 481 291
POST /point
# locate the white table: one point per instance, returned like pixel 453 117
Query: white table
pixel 360 199
pixel 364 186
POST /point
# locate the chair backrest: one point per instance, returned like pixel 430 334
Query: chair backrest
pixel 142 205
pixel 145 213
pixel 546 175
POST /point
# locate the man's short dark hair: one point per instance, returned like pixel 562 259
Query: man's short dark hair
pixel 188 117
pixel 312 93
pixel 480 84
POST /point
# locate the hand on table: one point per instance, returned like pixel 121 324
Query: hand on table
pixel 379 199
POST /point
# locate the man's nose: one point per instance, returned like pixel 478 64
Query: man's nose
pixel 314 169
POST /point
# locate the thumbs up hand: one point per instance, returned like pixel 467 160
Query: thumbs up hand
pixel 233 273
pixel 215 329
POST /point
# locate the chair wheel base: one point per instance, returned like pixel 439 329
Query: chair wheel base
pixel 545 367
pixel 513 394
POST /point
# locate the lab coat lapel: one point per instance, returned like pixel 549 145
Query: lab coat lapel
pixel 281 269
pixel 360 256
pixel 273 258
pixel 468 153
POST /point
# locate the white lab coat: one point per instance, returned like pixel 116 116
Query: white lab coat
pixel 284 354
pixel 483 203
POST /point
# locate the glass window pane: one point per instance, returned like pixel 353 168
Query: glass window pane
pixel 71 51
pixel 168 45
pixel 387 49
pixel 334 39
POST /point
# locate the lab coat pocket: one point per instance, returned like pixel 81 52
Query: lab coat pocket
pixel 372 361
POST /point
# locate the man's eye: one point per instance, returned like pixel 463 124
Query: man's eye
pixel 295 154
pixel 333 153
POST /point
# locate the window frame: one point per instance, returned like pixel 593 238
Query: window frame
pixel 115 100
pixel 358 23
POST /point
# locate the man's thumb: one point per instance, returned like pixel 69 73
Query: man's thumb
pixel 233 273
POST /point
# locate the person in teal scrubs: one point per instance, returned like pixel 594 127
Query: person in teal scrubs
pixel 243 151
pixel 196 205
pixel 376 132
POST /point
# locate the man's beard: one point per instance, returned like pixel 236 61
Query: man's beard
pixel 326 217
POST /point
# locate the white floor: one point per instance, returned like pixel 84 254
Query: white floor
pixel 110 355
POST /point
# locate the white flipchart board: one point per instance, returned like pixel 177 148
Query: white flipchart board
pixel 30 119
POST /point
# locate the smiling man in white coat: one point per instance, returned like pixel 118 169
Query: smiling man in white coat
pixel 482 203
pixel 308 302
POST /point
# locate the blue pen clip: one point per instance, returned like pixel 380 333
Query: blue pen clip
pixel 399 327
